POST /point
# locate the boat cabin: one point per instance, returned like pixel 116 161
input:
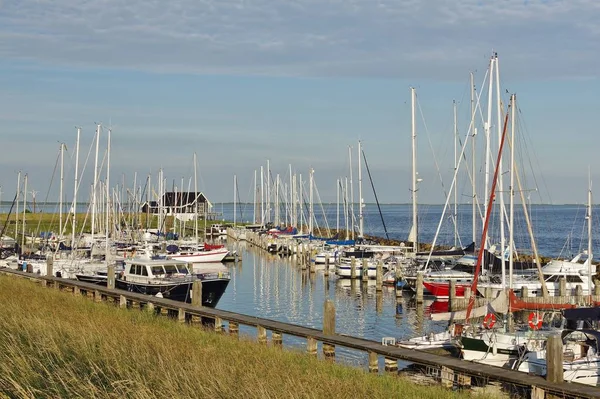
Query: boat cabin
pixel 147 270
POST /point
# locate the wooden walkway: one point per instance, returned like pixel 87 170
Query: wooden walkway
pixel 454 371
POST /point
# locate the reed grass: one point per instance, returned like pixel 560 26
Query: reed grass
pixel 56 345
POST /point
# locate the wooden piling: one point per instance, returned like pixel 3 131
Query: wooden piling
pixel 327 262
pixel 537 393
pixel 352 267
pixel 76 291
pixel 562 287
pixel 578 293
pixel 391 365
pixel 97 296
pixel 110 277
pixel 311 346
pixel 181 315
pixel 261 334
pixel 419 287
pixel 218 325
pixel 197 293
pixel 447 377
pixel 234 329
pixel 49 265
pixel 329 328
pixel 373 362
pixel 277 339
pixel 122 301
pixel 554 358
pixel 150 307
pixel 365 270
pixel 524 292
pixel 379 276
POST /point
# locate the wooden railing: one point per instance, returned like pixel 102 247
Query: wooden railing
pixel 449 371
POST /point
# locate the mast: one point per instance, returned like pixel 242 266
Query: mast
pixel 310 199
pixel 488 150
pixel 589 226
pixel 291 198
pixel 196 200
pixel 346 210
pixel 60 194
pixel 277 200
pixel 95 182
pixel 473 151
pixel 360 196
pixel 500 176
pixel 234 199
pixel 262 196
pixel 415 228
pixel 337 220
pixel 301 204
pixel 24 209
pixel 511 192
pixel 17 210
pixel 455 167
pixel 255 188
pixel 107 229
pixel 75 187
pixel 351 193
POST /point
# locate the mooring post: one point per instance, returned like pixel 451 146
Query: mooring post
pixel 277 339
pixel 329 328
pixel 311 346
pixel 524 292
pixel 447 377
pixel 197 293
pixel 110 277
pixel 373 362
pixel 234 329
pixel 327 265
pixel 365 270
pixel 218 325
pixel 379 276
pixel 578 293
pixel 149 307
pixel 562 288
pixel 261 334
pixel 352 267
pixel 122 301
pixel 391 365
pixel 554 358
pixel 49 265
pixel 181 315
pixel 419 287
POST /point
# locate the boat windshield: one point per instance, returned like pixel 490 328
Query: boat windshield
pixel 171 269
pixel 182 269
pixel 157 270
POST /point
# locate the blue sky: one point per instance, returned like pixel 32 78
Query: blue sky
pixel 296 82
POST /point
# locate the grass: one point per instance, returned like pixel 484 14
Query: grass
pixel 53 344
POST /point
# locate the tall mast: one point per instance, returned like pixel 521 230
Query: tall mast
pixel 262 196
pixel 455 167
pixel 589 226
pixel 291 198
pixel 107 229
pixel 310 199
pixel 24 209
pixel 346 210
pixel 60 194
pixel 351 194
pixel 473 151
pixel 488 150
pixel 500 176
pixel 511 192
pixel 360 196
pixel 301 204
pixel 95 182
pixel 268 196
pixel 17 210
pixel 75 187
pixel 255 188
pixel 337 220
pixel 196 200
pixel 234 199
pixel 415 226
pixel 277 200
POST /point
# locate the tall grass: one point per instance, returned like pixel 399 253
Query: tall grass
pixel 53 344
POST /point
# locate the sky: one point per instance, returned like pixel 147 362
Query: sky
pixel 295 82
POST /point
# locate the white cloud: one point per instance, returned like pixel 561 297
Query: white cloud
pixel 433 38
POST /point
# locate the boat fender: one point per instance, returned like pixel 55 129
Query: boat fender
pixel 489 320
pixel 535 321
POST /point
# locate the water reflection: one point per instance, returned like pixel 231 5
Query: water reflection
pixel 277 288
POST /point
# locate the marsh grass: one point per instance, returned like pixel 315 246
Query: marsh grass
pixel 53 344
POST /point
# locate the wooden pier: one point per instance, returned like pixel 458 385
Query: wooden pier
pixel 448 370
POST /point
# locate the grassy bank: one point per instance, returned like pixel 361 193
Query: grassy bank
pixel 53 344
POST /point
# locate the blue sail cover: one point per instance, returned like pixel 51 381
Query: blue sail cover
pixel 340 242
